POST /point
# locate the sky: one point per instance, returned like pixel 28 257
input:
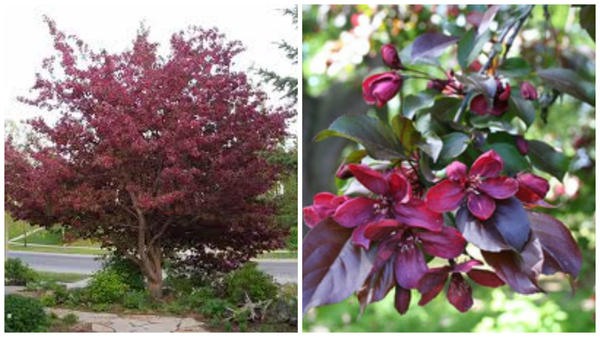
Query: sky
pixel 112 25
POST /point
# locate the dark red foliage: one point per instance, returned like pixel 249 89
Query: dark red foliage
pixel 152 154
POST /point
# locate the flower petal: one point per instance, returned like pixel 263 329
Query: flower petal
pixel 323 198
pixel 485 278
pixel 448 243
pixel 377 230
pixel 402 300
pixel 358 236
pixel 445 196
pixel 500 187
pixel 488 165
pixel 400 188
pixel 456 171
pixel 417 214
pixel 354 212
pixel 432 284
pixel 369 178
pixel 311 218
pixel 479 105
pixel 459 293
pixel 466 266
pixel 410 265
pixel 481 205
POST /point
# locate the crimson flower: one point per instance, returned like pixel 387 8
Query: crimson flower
pixel 324 205
pixel 403 245
pixel 389 54
pixel 393 201
pixel 480 106
pixel 459 292
pixel 380 88
pixel 532 189
pixel 480 187
pixel 528 91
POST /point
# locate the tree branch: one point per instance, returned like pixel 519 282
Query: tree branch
pixel 519 24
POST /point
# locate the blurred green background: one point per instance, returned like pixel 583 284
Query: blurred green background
pixel 340 48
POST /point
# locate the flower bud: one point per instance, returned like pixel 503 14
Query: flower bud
pixel 380 88
pixel 528 91
pixel 389 54
pixel 343 172
pixel 532 188
pixel 522 145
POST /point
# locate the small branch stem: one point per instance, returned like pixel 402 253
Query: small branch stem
pixel 518 24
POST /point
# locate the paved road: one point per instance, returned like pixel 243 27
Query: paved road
pixel 282 270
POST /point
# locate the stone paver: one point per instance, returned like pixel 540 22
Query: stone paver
pixel 104 322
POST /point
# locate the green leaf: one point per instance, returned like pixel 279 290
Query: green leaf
pixel 432 145
pixel 470 45
pixel 514 67
pixel 377 138
pixel 455 144
pixel 523 108
pixel 355 156
pixel 547 159
pixel 406 132
pixel 514 161
pixel 587 19
pixel 415 103
pixel 569 82
pixel 494 124
pixel 444 108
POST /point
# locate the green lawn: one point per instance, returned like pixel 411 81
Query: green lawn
pixel 16 228
pixel 60 277
pixel 67 250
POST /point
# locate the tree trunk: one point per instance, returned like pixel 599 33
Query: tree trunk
pixel 152 268
pixel 155 286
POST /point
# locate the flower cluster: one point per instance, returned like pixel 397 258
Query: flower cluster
pixel 403 230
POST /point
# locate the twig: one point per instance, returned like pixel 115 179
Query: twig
pixel 519 23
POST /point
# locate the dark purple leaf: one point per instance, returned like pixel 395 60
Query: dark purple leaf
pixel 487 18
pixel 557 242
pixel 518 271
pixel 475 232
pixel 511 221
pixel 332 267
pixel 377 285
pixel 431 45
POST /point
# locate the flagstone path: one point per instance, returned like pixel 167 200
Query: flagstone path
pixel 105 322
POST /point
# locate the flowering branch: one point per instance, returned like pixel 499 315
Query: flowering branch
pixel 519 23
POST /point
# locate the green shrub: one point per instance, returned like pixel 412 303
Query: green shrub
pixel 24 314
pixel 18 273
pixel 107 286
pixel 197 297
pixel 77 297
pixel 248 280
pixel 137 299
pixel 129 271
pixel 48 299
pixel 284 309
pixel 214 307
pixel 70 319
